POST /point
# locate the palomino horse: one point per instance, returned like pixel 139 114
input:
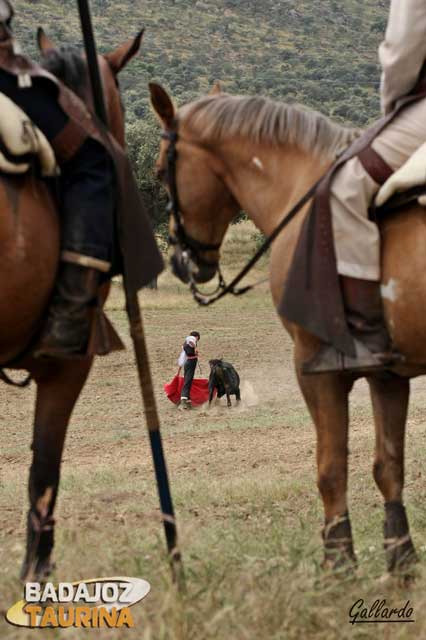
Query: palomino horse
pixel 251 153
pixel 29 240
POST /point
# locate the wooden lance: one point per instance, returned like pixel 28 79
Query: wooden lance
pixel 136 327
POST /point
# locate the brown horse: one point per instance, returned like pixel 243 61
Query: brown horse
pixel 251 153
pixel 29 241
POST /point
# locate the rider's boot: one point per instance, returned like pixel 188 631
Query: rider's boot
pixel 70 316
pixel 364 313
pixel 87 238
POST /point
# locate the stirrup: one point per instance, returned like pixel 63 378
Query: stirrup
pixel 329 360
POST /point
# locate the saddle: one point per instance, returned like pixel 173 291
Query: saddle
pixel 21 142
pixel 405 185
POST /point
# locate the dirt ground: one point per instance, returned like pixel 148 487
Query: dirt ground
pixel 243 482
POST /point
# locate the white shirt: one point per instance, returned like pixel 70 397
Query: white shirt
pixel 192 342
pixel 403 51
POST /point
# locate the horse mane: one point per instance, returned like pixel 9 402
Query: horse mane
pixel 67 64
pixel 222 116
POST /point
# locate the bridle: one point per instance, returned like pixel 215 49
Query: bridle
pixel 181 238
pixel 191 248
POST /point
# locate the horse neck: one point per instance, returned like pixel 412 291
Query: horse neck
pixel 267 180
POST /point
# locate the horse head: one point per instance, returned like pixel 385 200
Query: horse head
pixel 201 205
pixel 70 66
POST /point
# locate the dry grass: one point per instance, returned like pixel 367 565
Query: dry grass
pixel 243 482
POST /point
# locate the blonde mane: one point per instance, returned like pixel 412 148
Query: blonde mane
pixel 220 117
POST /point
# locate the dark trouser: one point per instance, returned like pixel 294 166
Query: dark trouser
pixel 88 202
pixel 189 372
pixel 87 182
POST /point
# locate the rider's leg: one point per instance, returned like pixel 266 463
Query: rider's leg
pixel 356 238
pixel 189 372
pixel 87 227
pixel 357 242
pixel 87 206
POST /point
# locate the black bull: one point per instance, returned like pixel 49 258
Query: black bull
pixel 225 379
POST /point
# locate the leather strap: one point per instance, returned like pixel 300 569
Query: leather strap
pixel 374 165
pixel 69 141
pixel 86 261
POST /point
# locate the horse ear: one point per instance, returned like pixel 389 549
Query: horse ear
pixel 162 104
pixel 45 44
pixel 216 89
pixel 118 58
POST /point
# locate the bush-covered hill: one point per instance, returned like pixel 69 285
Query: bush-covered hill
pixel 322 53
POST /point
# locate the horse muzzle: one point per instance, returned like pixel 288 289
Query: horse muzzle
pixel 187 269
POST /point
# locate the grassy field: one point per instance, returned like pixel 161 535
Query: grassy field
pixel 243 482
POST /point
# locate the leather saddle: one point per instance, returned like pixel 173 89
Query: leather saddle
pixel 405 186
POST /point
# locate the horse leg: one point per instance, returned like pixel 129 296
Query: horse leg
pixel 327 399
pixel 390 404
pixel 211 392
pixel 58 388
pixel 228 397
pixel 238 395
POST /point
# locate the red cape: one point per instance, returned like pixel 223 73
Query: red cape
pixel 199 390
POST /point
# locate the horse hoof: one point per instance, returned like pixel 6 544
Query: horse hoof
pixel 406 580
pixel 400 553
pixel 339 555
pixel 405 571
pixel 403 580
pixel 37 571
pixel 340 564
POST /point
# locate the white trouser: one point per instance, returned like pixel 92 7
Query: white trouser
pixel 356 238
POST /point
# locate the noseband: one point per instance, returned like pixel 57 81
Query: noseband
pixel 191 247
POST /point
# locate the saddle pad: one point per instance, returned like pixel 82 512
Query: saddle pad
pixel 411 174
pixel 20 137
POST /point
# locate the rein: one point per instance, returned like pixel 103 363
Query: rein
pixel 191 247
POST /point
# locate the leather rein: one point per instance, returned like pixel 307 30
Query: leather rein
pixel 191 247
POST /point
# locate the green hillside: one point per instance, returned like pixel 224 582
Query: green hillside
pixel 322 53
